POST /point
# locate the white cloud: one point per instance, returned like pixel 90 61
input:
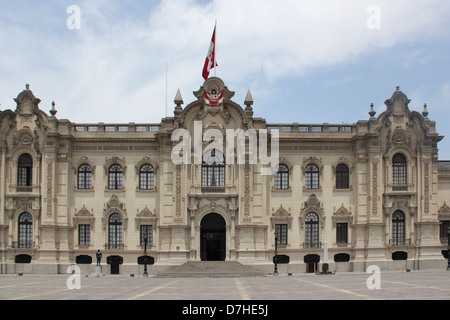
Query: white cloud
pixel 113 69
pixel 445 91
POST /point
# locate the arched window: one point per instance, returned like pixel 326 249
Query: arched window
pixel 115 177
pixel 342 177
pixel 147 177
pixel 398 228
pixel 213 169
pixel 399 170
pixel 115 231
pixel 312 177
pixel 282 178
pixel 25 169
pixel 311 230
pixel 84 177
pixel 25 230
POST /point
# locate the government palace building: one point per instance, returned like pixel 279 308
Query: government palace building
pixel 195 187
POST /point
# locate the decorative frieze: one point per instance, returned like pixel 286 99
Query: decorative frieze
pixel 178 191
pixel 375 189
pixel 426 208
pixel 49 189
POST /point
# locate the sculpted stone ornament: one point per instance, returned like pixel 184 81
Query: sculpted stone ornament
pixel 213 98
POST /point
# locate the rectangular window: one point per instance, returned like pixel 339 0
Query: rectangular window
pixel 281 230
pixel 399 175
pixel 84 234
pixel 146 232
pixel 443 230
pixel 25 235
pixel 312 180
pixel 342 233
pixel 24 179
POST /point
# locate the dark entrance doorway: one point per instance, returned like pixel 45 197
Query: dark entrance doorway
pixel 311 261
pixel 212 238
pixel 114 262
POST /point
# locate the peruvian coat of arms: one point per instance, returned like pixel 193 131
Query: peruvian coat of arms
pixel 213 98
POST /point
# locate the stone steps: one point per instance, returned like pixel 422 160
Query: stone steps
pixel 210 269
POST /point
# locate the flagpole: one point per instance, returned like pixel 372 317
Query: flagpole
pixel 215 50
pixel 167 106
pixel 262 88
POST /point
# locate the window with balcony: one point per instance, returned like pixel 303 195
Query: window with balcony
pixel 25 169
pixel 25 237
pixel 312 230
pixel 115 231
pixel 399 170
pixel 398 228
pixel 213 170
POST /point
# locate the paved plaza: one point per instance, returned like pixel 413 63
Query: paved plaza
pixel 413 285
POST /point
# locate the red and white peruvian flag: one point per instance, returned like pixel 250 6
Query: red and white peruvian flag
pixel 210 61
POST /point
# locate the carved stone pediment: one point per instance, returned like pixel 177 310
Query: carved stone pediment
pixel 146 213
pixel 281 212
pixel 399 201
pixel 281 216
pixel 27 103
pixel 16 206
pixel 81 161
pixel 84 212
pixel 23 138
pixel 444 212
pixel 214 95
pixel 146 217
pixel 114 205
pixel 83 216
pixel 445 209
pixel 342 211
pixel 115 160
pixel 399 138
pixel 342 214
pixel 312 205
pixel 312 160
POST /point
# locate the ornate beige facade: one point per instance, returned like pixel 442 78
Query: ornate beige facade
pixel 373 191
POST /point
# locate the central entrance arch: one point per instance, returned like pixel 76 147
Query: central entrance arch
pixel 213 238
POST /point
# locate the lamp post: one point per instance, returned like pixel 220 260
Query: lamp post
pixel 145 258
pixel 275 270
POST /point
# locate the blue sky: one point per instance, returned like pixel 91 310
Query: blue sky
pixel 303 61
